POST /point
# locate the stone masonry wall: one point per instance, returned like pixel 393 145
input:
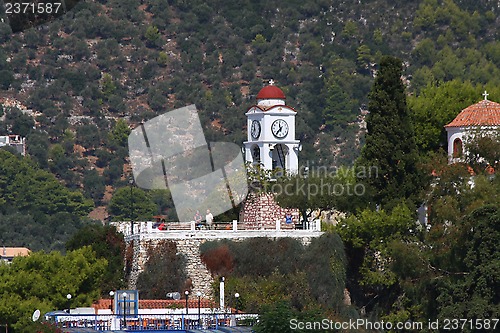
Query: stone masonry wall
pixel 262 211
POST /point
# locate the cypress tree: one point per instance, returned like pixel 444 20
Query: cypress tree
pixel 390 144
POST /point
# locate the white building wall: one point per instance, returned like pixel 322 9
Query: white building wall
pixel 466 134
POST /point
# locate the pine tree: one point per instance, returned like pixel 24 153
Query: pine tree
pixel 339 108
pixel 390 144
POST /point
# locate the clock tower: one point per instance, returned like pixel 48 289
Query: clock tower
pixel 271 132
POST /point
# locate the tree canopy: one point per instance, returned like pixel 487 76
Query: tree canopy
pixel 107 244
pixel 402 270
pixel 42 281
pixel 270 271
pixel 164 271
pixel 36 210
pixel 390 144
pixel 27 188
pixel 131 203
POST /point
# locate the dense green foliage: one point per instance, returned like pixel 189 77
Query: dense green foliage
pixel 266 272
pixel 27 188
pixel 400 271
pixel 36 210
pixel 390 146
pixel 131 203
pixel 46 327
pixel 369 237
pixel 164 272
pixel 276 319
pixel 107 244
pixel 119 58
pixel 42 281
pixel 471 288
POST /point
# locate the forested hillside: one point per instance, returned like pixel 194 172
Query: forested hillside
pixel 108 64
pixel 76 86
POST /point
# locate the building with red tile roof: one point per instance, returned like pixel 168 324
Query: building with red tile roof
pixel 7 254
pixel 105 306
pixel 484 113
pixel 483 116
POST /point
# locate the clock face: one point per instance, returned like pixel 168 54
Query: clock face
pixel 255 130
pixel 279 128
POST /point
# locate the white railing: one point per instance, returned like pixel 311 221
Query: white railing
pixel 152 227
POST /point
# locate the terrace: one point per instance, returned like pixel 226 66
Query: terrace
pixel 234 228
pixel 196 322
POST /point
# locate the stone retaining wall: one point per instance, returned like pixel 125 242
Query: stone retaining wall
pixel 188 243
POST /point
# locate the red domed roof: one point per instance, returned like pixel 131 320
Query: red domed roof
pixel 271 92
pixel 484 113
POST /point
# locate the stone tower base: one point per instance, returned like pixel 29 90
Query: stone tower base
pixel 260 211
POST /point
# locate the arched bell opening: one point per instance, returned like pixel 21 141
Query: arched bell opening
pixel 280 157
pixel 256 158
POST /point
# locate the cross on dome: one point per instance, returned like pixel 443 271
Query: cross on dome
pixel 271 82
pixel 485 94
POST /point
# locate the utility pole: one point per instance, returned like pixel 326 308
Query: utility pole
pixel 131 182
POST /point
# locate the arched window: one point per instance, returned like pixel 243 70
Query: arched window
pixel 457 148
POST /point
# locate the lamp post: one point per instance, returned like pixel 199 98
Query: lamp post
pixel 306 176
pixel 131 182
pixel 124 295
pixel 221 293
pixel 237 297
pixel 186 293
pixel 111 295
pixel 199 308
pixel 68 297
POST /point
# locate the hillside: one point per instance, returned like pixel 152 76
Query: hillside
pixel 132 60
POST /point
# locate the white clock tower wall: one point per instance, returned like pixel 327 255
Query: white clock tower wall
pixel 273 150
pixel 293 158
pixel 275 145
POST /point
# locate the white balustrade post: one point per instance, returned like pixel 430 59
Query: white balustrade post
pixel 193 226
pixel 235 225
pixel 278 224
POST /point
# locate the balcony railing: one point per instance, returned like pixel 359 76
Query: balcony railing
pixel 152 322
pixel 154 227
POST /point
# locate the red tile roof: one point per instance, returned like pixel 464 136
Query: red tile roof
pixel 14 251
pixel 265 108
pixel 160 304
pixel 484 113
